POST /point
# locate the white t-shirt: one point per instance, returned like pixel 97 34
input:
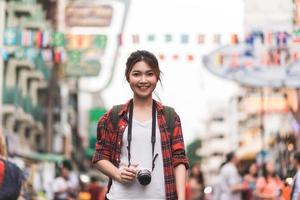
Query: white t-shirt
pixel 229 176
pixel 297 186
pixel 60 184
pixel 141 154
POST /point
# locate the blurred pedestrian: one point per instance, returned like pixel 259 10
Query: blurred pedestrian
pixel 84 194
pixel 11 177
pixel 269 185
pixel 296 180
pixel 196 182
pixel 231 185
pixel 73 179
pixel 95 189
pixel 250 179
pixel 143 155
pixel 61 186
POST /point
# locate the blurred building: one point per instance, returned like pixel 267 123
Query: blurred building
pixel 217 141
pixel 31 97
pixel 265 115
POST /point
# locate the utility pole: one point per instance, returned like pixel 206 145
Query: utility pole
pixel 50 105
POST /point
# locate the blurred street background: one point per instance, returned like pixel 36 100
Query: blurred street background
pixel 231 69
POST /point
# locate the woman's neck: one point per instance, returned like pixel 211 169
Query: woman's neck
pixel 142 103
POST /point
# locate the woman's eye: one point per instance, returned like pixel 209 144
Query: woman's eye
pixel 150 74
pixel 135 74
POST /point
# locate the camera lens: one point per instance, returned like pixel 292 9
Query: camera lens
pixel 144 177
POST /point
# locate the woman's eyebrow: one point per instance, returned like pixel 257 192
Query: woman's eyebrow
pixel 147 71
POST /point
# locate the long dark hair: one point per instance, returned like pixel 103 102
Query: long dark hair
pixel 229 157
pixel 265 172
pixel 199 177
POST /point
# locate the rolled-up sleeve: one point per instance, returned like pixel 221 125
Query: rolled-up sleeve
pixel 178 147
pixel 104 146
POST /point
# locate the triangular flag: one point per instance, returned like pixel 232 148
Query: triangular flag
pixel 184 38
pixel 11 36
pixel 295 56
pixel 120 39
pixel 135 39
pixel 161 56
pixel 200 39
pixel 234 39
pixel 151 37
pixel 270 38
pixel 168 38
pixel 38 39
pixel 217 39
pixel 175 57
pixel 190 57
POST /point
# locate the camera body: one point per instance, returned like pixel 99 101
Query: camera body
pixel 144 176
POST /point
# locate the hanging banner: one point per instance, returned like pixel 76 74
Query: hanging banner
pixel 83 53
pixel 88 14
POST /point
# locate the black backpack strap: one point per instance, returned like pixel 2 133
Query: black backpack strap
pixel 115 116
pixel 169 113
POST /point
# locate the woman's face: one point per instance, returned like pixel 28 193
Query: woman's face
pixel 270 168
pixel 253 169
pixel 142 80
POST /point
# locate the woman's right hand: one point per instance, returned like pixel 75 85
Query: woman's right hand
pixel 128 174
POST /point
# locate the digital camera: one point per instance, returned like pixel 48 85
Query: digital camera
pixel 144 176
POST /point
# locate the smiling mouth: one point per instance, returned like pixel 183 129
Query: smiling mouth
pixel 143 87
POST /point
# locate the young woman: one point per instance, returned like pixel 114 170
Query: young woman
pixel 250 179
pixel 143 159
pixel 269 186
pixel 196 182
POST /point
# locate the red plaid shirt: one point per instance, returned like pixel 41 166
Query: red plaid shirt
pixel 109 143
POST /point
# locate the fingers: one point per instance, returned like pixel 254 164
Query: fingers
pixel 128 174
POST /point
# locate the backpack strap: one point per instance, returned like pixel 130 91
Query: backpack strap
pixel 115 116
pixel 169 113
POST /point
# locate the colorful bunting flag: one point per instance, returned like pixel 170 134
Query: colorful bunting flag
pixel 175 56
pixel 151 37
pixel 200 39
pixel 184 39
pixel 217 39
pixel 295 56
pixel 234 39
pixel 47 55
pixel 46 39
pixel 100 41
pixel 135 39
pixel 38 39
pixel 57 56
pixel 161 56
pixel 270 38
pixel 168 38
pixel 4 54
pixel 190 57
pixel 11 37
pixel 120 39
pixel 58 39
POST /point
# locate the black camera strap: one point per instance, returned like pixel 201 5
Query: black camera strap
pixel 153 131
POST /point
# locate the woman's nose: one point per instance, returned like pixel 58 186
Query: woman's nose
pixel 143 78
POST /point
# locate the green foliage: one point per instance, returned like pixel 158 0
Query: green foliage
pixel 192 151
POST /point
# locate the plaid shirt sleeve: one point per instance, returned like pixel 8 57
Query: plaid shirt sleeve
pixel 178 148
pixel 104 145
